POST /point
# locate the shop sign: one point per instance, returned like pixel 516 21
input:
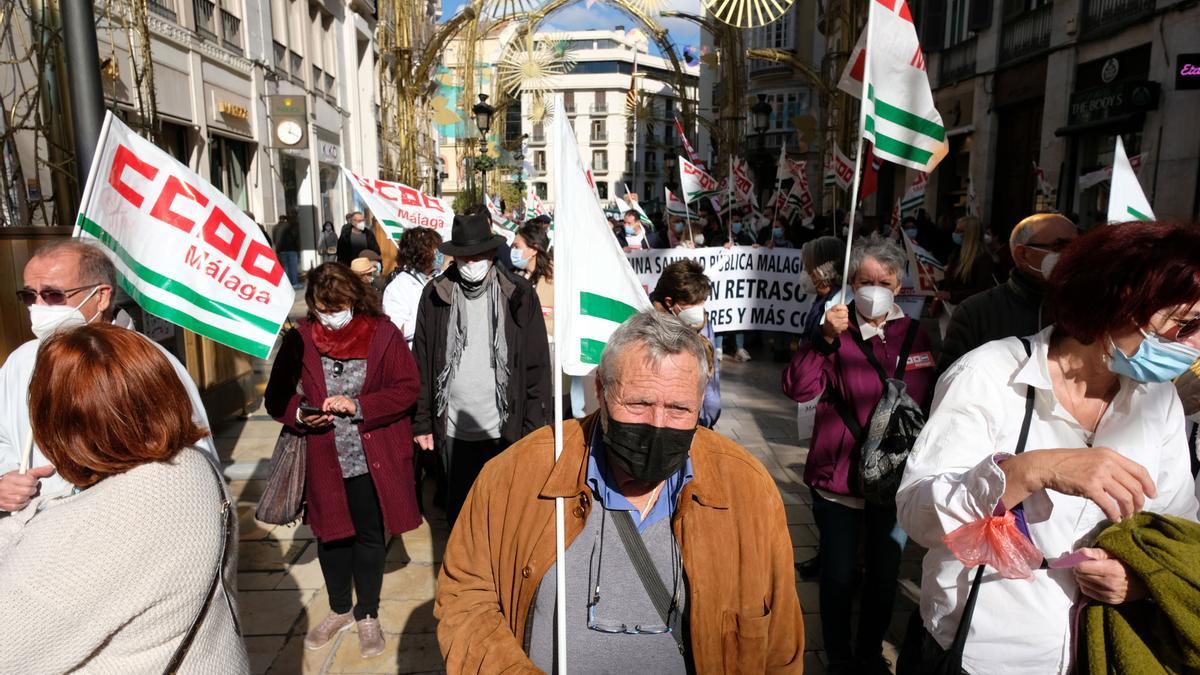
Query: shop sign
pixel 1187 71
pixel 1129 65
pixel 1101 103
pixel 330 153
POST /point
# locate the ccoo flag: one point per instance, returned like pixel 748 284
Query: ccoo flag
pixel 1126 201
pixel 674 206
pixel 184 251
pixel 595 289
pixel 695 183
pixel 901 120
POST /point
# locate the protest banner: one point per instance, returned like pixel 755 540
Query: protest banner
pixel 398 207
pixel 184 251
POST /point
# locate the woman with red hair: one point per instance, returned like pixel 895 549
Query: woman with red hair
pixel 1070 428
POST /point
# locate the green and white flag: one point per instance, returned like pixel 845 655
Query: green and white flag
pixel 633 205
pixel 695 183
pixel 674 206
pixel 901 120
pixel 398 207
pixel 184 251
pixel 1126 201
pixel 595 289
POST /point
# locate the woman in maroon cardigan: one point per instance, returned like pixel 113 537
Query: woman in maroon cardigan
pixel 358 385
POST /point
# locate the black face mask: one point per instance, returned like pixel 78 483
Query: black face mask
pixel 647 453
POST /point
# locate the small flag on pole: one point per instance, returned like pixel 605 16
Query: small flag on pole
pixel 687 146
pixel 695 183
pixel 674 206
pixel 1126 201
pixel 901 120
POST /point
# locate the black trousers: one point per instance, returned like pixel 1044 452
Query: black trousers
pixel 463 461
pixel 355 564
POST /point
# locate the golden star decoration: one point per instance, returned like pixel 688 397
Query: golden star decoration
pixel 531 64
pixel 747 13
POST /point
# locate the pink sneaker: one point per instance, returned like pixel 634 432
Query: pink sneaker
pixel 370 638
pixel 330 626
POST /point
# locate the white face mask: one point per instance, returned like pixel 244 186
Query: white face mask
pixel 46 320
pixel 874 301
pixel 361 225
pixel 335 320
pixel 1048 264
pixel 692 316
pixel 698 239
pixel 473 272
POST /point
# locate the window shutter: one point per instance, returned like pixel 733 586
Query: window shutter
pixel 933 25
pixel 980 18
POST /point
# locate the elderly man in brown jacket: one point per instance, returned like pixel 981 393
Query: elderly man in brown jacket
pixel 713 589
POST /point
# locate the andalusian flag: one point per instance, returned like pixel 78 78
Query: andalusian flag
pixel 695 182
pixel 674 206
pixel 595 289
pixel 1126 201
pixel 901 120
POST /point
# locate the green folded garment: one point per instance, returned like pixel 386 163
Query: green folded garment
pixel 1162 633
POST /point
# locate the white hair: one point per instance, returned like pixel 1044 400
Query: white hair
pixel 885 251
pixel 662 335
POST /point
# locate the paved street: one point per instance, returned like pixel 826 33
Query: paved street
pixel 282 591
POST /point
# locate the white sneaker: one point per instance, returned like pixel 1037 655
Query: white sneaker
pixel 742 355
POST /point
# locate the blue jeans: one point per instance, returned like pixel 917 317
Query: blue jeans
pixel 291 264
pixel 739 340
pixel 841 528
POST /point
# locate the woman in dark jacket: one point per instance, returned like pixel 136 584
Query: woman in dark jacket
pixel 970 269
pixel 357 387
pixel 484 359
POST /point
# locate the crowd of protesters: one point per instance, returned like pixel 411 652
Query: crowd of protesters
pixel 1032 441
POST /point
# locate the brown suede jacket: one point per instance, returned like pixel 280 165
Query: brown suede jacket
pixel 732 531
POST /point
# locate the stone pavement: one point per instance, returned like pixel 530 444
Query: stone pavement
pixel 282 591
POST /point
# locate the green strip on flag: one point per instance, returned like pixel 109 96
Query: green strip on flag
pixel 590 351
pixel 601 307
pixel 1137 214
pixel 177 288
pixel 896 147
pixel 903 118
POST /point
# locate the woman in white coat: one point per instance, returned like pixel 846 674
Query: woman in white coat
pixel 1105 440
pixel 419 261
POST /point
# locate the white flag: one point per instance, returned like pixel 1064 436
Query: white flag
pixel 695 183
pixel 398 207
pixel 901 121
pixel 1126 201
pixel 595 288
pixel 184 251
pixel 675 207
pixel 914 196
pixel 633 204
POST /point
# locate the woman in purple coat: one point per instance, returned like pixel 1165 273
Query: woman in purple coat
pixel 357 391
pixel 835 366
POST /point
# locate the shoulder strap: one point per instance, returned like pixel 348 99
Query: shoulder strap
pixel 964 623
pixel 182 650
pixel 651 579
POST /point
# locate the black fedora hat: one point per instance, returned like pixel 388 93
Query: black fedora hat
pixel 471 235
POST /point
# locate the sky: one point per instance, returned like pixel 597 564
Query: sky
pixel 603 15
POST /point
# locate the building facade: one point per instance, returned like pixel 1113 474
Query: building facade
pixel 1046 85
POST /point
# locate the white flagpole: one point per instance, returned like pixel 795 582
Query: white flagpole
pixel 27 453
pixel 561 299
pixel 862 127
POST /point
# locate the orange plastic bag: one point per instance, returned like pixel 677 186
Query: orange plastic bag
pixel 997 542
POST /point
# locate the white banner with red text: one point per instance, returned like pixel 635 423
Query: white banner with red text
pixel 185 252
pixel 398 207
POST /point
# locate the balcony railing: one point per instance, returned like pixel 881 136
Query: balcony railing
pixel 231 32
pixel 163 8
pixel 599 108
pixel 958 62
pixel 570 108
pixel 538 139
pixel 1027 34
pixel 206 20
pixel 1100 16
pixel 599 136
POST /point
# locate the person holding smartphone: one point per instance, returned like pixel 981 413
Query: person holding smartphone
pixel 357 388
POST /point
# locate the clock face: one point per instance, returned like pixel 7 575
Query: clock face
pixel 289 132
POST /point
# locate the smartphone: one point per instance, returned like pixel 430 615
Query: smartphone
pixel 309 410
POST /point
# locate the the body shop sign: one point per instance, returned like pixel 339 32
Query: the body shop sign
pixel 185 252
pixel 1187 71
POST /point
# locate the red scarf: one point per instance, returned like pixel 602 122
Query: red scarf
pixel 352 341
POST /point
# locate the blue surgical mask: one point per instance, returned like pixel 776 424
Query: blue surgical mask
pixel 679 228
pixel 911 232
pixel 777 232
pixel 630 231
pixel 518 258
pixel 737 227
pixel 1156 360
pixel 957 238
pixel 439 261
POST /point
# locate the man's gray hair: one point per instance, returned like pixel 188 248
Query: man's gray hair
pixel 662 335
pixel 95 267
pixel 885 251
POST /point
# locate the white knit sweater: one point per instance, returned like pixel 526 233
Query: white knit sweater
pixel 110 580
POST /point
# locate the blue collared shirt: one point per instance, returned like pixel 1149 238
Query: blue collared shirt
pixel 610 498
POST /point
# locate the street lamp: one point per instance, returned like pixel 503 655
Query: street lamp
pixel 520 157
pixel 483 119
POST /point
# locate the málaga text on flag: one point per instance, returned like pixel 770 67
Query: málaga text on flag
pixel 398 207
pixel 185 252
pixel 901 120
pixel 674 206
pixel 1126 201
pixel 923 269
pixel 695 183
pixel 595 290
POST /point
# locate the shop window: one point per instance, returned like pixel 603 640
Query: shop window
pixel 228 166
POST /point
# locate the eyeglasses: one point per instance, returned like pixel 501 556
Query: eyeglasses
pixel 1183 329
pixel 618 628
pixel 50 296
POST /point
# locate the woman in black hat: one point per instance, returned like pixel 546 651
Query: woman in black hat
pixel 481 347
